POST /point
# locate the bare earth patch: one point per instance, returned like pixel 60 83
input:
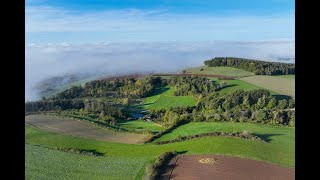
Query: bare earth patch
pixel 208 167
pixel 73 127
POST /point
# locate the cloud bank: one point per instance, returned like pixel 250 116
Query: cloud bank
pixel 110 58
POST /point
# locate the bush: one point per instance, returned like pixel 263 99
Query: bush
pixel 245 134
pixel 79 151
pixel 153 171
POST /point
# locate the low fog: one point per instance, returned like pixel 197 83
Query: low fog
pixel 109 58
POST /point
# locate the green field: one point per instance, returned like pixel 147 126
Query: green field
pixel 43 163
pixel 128 160
pixel 164 98
pixel 285 86
pixel 225 71
pixel 203 127
pixel 236 85
pixel 140 125
pixel 166 102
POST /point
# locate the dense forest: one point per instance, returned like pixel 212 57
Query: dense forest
pixel 238 106
pixel 127 87
pixel 258 67
pixel 87 105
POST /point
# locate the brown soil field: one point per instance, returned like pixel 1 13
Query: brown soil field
pixel 77 128
pixel 208 167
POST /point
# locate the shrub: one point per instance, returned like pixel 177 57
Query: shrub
pixel 246 134
pixel 79 151
pixel 153 171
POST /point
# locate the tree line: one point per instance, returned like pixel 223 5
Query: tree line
pixel 125 88
pixel 86 105
pixel 238 106
pixel 258 67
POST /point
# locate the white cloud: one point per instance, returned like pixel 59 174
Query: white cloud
pixel 109 58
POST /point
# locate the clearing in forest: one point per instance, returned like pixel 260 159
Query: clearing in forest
pixel 164 98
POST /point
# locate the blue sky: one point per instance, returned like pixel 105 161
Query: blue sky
pixel 79 21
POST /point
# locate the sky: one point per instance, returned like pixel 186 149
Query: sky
pixel 77 21
pixel 108 37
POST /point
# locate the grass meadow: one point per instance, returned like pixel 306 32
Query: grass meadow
pixel 128 160
pixel 164 98
pixel 285 86
pixel 225 71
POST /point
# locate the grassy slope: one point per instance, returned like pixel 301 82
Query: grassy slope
pixel 165 102
pixel 280 150
pixel 226 71
pixel 164 98
pixel 140 125
pixel 235 85
pixel 201 127
pixel 281 85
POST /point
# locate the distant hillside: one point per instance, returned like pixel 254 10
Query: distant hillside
pixel 255 66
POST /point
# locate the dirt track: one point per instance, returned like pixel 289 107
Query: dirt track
pixel 231 168
pixel 73 127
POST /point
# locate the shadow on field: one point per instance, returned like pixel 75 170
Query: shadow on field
pixel 148 103
pixel 229 85
pixel 90 152
pixel 181 152
pixel 266 137
pixel 280 97
pixel 167 170
pixel 93 152
pixel 160 90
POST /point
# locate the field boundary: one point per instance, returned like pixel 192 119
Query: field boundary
pixel 202 75
pixel 213 134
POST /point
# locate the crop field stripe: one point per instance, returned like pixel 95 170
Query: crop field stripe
pixel 280 85
pixel 76 128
